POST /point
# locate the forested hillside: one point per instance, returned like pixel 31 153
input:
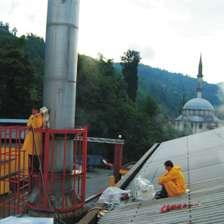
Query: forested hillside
pixel 103 101
pixel 172 90
pixel 103 104
pixel 19 86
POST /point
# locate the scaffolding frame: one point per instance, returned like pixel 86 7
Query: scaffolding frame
pixel 20 180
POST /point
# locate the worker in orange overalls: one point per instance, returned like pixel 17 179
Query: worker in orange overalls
pixel 33 140
pixel 172 181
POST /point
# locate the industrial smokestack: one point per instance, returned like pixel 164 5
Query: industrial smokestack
pixel 60 84
pixel 59 97
pixel 61 62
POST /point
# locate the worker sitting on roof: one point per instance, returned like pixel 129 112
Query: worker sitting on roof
pixel 172 181
pixel 33 140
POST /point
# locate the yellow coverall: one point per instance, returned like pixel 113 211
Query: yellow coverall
pixel 33 140
pixel 173 181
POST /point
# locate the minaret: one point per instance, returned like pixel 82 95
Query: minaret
pixel 200 79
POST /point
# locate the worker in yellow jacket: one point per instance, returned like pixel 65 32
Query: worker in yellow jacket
pixel 33 140
pixel 172 181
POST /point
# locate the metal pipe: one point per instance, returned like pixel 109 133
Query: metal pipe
pixel 61 62
pixel 61 69
pixel 59 93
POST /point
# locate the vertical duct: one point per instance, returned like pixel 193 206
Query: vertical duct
pixel 60 83
pixel 61 71
pixel 61 62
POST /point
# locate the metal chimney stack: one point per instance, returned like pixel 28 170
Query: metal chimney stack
pixel 61 62
pixel 60 81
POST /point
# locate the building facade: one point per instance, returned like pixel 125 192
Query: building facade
pixel 198 114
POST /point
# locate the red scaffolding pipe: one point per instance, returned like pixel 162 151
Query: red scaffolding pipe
pixel 19 177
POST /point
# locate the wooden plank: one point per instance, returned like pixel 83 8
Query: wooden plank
pixel 90 217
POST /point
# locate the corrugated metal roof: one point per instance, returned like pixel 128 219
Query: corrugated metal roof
pixel 26 220
pixel 13 121
pixel 202 159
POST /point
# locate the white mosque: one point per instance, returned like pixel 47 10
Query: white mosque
pixel 198 114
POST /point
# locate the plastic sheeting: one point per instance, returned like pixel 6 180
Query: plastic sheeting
pixel 113 197
pixel 143 190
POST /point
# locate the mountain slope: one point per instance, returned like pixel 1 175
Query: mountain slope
pixel 172 90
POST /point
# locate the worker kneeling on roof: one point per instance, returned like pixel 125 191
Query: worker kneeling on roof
pixel 172 181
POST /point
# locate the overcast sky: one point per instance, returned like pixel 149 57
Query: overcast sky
pixel 169 34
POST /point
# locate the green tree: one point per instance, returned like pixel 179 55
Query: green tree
pixel 16 75
pixel 34 49
pixel 129 63
pixel 103 103
pixel 105 108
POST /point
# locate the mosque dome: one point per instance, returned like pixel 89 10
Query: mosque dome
pixel 198 104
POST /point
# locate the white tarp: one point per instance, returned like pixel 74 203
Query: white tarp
pixel 143 189
pixel 113 197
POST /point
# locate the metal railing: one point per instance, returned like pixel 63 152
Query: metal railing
pixel 49 177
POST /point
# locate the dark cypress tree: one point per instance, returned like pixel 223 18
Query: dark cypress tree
pixel 129 63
